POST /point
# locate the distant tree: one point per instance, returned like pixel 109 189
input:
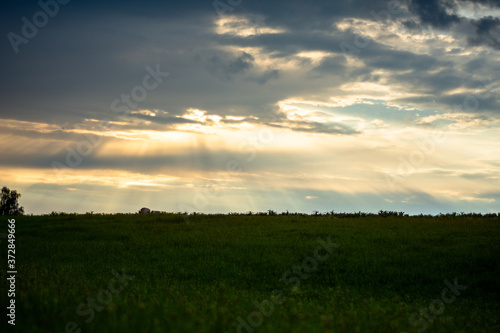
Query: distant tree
pixel 9 204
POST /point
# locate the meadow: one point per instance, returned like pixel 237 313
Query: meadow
pixel 255 273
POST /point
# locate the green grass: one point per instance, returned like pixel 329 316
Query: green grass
pixel 202 276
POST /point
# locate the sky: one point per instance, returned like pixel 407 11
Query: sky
pixel 237 105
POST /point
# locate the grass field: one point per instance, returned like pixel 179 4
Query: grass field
pixel 230 273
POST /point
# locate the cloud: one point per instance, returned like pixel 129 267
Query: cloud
pixel 320 128
pixel 163 119
pixel 448 14
pixel 487 32
pixel 460 121
pixel 435 12
pixel 229 67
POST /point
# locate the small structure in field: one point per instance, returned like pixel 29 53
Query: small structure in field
pixel 145 210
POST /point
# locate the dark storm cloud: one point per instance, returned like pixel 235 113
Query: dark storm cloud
pixel 487 32
pixel 442 14
pixel 434 12
pixel 151 8
pixel 71 69
pixel 310 15
pixel 477 64
pixel 377 56
pixel 466 103
pixel 227 66
pixel 386 58
pixel 430 83
pixel 470 103
pixel 92 52
pixel 268 75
